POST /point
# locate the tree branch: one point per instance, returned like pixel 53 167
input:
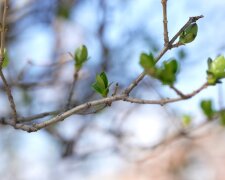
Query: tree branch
pixel 60 117
pixel 165 21
pixel 166 100
pixel 75 78
pixel 2 46
pixel 162 52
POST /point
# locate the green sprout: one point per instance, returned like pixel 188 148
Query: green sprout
pixel 101 84
pixel 216 70
pixel 189 34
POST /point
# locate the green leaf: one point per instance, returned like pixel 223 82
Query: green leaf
pixel 97 88
pixel 167 73
pixel 216 70
pixel 189 34
pixel 80 56
pixel 105 79
pixel 101 85
pixel 186 120
pixel 207 108
pixel 100 82
pixel 147 62
pixel 5 59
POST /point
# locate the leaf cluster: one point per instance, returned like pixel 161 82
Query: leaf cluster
pixel 101 84
pixel 165 73
pixel 216 70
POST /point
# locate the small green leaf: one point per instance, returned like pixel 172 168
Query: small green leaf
pixel 97 88
pixel 148 63
pixel 167 73
pixel 80 56
pixel 5 59
pixel 101 85
pixel 105 79
pixel 216 70
pixel 100 82
pixel 189 34
pixel 186 120
pixel 207 108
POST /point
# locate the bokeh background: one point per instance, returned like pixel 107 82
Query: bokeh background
pixel 122 141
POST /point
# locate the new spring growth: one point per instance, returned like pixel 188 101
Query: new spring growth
pixel 189 34
pixel 80 56
pixel 216 70
pixel 101 84
pixel 166 73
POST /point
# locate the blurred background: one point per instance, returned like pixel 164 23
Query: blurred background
pixel 125 141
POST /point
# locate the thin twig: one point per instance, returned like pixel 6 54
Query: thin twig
pixel 37 116
pixel 9 95
pixel 115 89
pixel 176 45
pixel 75 78
pixel 2 46
pixel 3 24
pixel 165 21
pixel 166 100
pixel 178 91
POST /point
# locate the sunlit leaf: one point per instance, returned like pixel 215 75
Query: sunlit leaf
pixel 216 70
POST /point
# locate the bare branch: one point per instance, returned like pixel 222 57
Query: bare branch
pixel 165 21
pixel 108 100
pixel 37 116
pixel 3 24
pixel 166 100
pixel 9 95
pixel 178 91
pixel 75 78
